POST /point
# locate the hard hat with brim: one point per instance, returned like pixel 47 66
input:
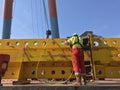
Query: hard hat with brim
pixel 75 34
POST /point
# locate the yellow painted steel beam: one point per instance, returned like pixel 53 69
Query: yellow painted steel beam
pixel 50 58
pixel 106 57
pixel 30 58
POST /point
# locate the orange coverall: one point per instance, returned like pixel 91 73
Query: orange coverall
pixel 77 54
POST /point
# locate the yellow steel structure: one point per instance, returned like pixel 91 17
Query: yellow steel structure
pixel 50 58
pixel 106 57
pixel 37 58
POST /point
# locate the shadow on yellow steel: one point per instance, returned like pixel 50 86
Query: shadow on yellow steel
pixel 50 58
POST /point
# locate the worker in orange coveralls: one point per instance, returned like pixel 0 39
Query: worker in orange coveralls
pixel 77 58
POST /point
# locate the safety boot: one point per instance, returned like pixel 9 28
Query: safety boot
pixel 83 80
pixel 78 80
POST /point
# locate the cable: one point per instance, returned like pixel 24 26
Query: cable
pixel 38 64
pixel 42 19
pixel 45 13
pixel 14 6
pixel 32 18
pixel 36 8
pixel 64 82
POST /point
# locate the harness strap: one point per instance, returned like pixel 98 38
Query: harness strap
pixel 77 42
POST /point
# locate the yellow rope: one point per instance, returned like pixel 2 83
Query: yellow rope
pixel 38 64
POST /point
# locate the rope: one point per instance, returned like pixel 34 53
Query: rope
pixel 32 18
pixel 64 82
pixel 38 64
pixel 36 8
pixel 45 13
pixel 14 6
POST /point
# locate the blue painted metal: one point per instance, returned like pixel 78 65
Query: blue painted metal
pixel 53 18
pixel 7 17
pixel 54 26
pixel 6 29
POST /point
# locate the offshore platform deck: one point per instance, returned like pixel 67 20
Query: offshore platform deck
pixel 51 59
pixel 41 50
pixel 108 84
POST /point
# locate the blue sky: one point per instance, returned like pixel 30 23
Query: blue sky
pixel 100 16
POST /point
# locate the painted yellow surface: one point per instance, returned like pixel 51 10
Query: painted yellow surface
pixel 51 58
pixel 106 57
pixel 37 58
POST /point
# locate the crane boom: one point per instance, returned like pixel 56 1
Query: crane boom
pixel 7 16
pixel 53 18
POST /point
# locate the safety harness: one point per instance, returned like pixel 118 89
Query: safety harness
pixel 77 42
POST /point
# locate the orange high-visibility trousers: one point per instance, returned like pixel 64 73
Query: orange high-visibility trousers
pixel 78 60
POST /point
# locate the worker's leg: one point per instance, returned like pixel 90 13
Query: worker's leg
pixel 82 66
pixel 81 59
pixel 75 61
pixel 78 79
pixel 76 67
